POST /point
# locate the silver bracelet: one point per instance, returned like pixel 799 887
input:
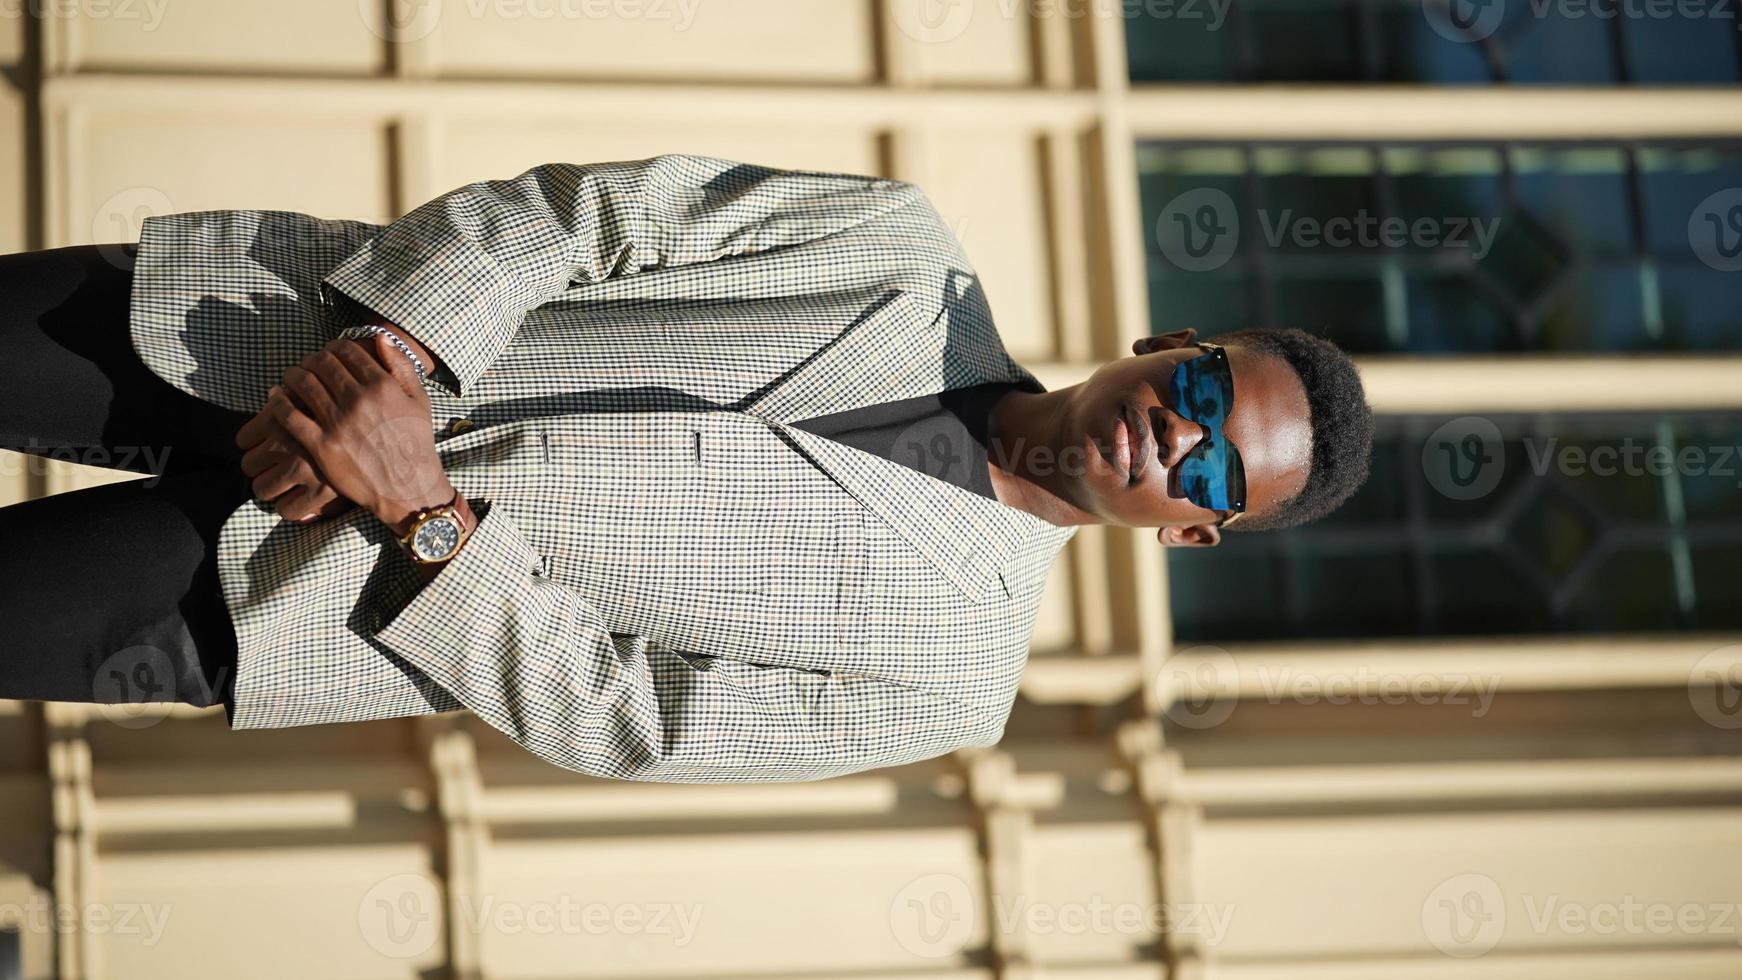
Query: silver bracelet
pixel 370 329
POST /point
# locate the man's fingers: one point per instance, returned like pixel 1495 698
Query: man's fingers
pixel 295 423
pixel 262 458
pixel 282 477
pixel 365 368
pixel 320 401
pixel 297 504
pixel 254 431
pixel 276 446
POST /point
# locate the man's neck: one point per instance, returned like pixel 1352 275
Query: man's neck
pixel 1023 441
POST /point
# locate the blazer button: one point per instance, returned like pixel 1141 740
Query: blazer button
pixel 457 426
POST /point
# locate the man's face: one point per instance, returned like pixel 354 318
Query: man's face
pixel 1268 424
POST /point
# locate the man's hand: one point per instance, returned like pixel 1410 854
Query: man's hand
pixel 365 427
pixel 281 470
pixel 283 473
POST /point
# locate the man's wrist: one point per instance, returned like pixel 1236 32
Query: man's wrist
pixel 398 515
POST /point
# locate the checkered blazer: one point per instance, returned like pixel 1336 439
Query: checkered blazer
pixel 668 580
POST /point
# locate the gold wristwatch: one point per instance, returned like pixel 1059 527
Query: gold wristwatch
pixel 436 534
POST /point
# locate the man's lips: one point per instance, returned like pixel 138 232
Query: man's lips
pixel 1133 444
pixel 1122 441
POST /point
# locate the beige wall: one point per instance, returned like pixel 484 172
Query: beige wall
pixel 1281 834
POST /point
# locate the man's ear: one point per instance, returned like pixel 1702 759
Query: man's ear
pixel 1163 341
pixel 1194 536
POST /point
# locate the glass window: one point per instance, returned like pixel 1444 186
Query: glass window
pixel 1450 249
pixel 1448 42
pixel 1556 523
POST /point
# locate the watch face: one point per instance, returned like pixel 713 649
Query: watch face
pixel 436 538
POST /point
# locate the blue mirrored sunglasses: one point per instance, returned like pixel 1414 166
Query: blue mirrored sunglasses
pixel 1211 475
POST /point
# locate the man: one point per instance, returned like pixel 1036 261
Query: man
pixel 649 429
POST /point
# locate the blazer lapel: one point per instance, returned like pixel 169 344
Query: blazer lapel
pixel 897 350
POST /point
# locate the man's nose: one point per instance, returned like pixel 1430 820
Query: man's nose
pixel 1175 436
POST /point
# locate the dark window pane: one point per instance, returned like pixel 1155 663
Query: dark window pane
pixel 1559 49
pixel 1349 311
pixel 1684 50
pixel 1169 49
pixel 1296 39
pixel 1436 248
pixel 1446 42
pixel 1211 303
pixel 1589 523
pixel 1701 307
pixel 1447 317
pixel 1598 306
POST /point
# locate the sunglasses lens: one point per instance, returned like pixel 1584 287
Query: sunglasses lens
pixel 1212 474
pixel 1203 389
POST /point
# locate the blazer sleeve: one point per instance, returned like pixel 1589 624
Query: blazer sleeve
pixel 533 659
pixel 460 272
